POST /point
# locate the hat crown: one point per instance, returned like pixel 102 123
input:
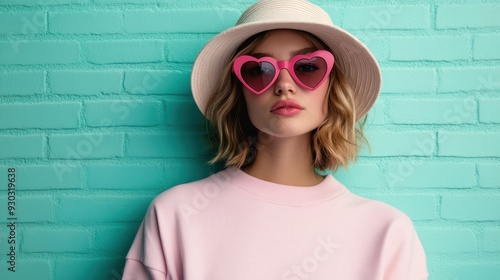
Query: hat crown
pixel 267 11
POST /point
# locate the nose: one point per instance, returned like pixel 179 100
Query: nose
pixel 284 83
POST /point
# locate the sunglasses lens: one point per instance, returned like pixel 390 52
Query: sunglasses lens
pixel 310 71
pixel 257 75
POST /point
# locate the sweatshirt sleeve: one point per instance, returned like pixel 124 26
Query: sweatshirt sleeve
pixel 154 242
pixel 403 256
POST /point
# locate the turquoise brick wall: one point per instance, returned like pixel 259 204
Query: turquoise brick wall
pixel 97 118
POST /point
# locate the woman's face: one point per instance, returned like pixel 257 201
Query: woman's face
pixel 284 122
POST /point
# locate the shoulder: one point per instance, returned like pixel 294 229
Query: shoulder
pixel 402 255
pixel 378 214
pixel 187 192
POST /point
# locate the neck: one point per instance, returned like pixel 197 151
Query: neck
pixel 286 161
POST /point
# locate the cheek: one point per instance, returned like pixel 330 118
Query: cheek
pixel 323 100
pixel 252 104
pixel 325 104
pixel 248 100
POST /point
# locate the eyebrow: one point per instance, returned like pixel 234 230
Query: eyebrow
pixel 294 53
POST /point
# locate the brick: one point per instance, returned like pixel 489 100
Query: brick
pixel 127 51
pixel 157 82
pixel 432 111
pixel 42 2
pixel 407 143
pixel 361 176
pixel 417 207
pixel 413 174
pixel 102 209
pixel 41 115
pixel 56 241
pixel 25 146
pixel 448 240
pixel 23 23
pixel 116 240
pixel 467 270
pixel 84 269
pixel 22 83
pixel 41 177
pixel 489 175
pixel 431 48
pixel 180 20
pixel 39 52
pixel 36 209
pixel 122 112
pixel 467 79
pixel 467 16
pixel 376 45
pixel 86 146
pixel 27 269
pixel 469 144
pixel 129 1
pixel 376 115
pixel 486 46
pixel 408 80
pixel 488 110
pixel 335 12
pixel 96 22
pixel 184 51
pixel 387 17
pixel 183 113
pixel 125 177
pixel 180 145
pixel 471 208
pixel 85 82
pixel 68 176
pixel 491 239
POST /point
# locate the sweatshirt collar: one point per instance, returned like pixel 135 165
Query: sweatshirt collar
pixel 327 189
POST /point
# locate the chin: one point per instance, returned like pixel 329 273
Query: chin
pixel 286 133
pixel 279 127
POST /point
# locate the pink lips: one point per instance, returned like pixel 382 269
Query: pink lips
pixel 286 108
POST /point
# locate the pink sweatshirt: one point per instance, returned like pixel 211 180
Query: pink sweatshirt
pixel 232 226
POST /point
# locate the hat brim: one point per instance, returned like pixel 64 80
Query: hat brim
pixel 351 56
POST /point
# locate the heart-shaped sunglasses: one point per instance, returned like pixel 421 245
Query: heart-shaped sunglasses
pixel 309 71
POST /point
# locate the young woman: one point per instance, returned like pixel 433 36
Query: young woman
pixel 285 92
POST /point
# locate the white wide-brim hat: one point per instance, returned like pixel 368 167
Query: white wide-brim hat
pixel 351 56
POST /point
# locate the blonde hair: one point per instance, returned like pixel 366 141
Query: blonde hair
pixel 334 143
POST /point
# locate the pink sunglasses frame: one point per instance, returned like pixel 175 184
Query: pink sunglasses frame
pixel 288 65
